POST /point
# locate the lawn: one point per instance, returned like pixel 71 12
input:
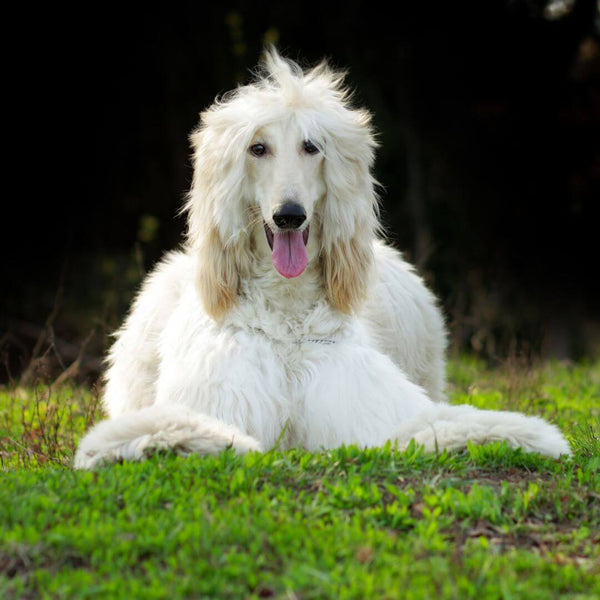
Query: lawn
pixel 488 522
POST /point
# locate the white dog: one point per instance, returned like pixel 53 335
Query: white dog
pixel 285 321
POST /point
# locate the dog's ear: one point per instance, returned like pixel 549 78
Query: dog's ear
pixel 217 274
pixel 346 269
pixel 350 211
pixel 217 234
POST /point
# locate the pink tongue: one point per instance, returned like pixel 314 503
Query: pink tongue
pixel 289 253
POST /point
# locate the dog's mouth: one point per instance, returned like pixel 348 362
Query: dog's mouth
pixel 289 250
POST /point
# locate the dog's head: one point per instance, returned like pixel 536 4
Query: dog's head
pixel 286 156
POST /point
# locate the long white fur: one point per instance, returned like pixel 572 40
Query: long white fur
pixel 220 350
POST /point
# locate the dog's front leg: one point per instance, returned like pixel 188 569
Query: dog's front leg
pixel 231 375
pixel 353 394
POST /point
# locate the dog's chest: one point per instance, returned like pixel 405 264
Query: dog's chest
pixel 259 370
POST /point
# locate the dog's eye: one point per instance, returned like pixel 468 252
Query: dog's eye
pixel 258 149
pixel 309 147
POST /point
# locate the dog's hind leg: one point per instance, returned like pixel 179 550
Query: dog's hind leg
pixel 450 427
pixel 135 435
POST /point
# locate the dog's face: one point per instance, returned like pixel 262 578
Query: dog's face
pixel 283 174
pixel 285 177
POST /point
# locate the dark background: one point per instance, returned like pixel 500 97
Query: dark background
pixel 488 116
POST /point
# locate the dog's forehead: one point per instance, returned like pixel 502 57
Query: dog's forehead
pixel 286 128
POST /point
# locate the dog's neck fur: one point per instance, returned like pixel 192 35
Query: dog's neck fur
pixel 287 309
pixel 284 299
pixel 290 311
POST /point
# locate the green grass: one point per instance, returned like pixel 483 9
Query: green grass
pixel 489 522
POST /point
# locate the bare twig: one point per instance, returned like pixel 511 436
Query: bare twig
pixel 68 350
pixel 72 370
pixel 46 333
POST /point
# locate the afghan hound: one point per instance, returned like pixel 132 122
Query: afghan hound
pixel 286 320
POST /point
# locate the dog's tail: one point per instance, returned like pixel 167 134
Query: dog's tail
pixel 450 427
pixel 134 435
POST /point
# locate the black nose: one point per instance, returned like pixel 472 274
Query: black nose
pixel 289 216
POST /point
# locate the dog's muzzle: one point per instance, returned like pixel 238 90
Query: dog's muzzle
pixel 288 242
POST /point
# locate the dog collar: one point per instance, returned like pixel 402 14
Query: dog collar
pixel 298 341
pixel 325 341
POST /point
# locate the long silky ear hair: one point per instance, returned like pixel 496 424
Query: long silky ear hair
pixel 217 210
pixel 350 210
